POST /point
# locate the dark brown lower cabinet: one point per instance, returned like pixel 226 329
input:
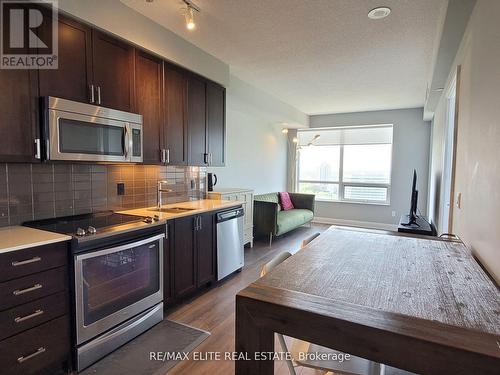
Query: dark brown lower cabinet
pixel 184 250
pixel 168 281
pixel 34 312
pixel 40 350
pixel 206 250
pixel 193 255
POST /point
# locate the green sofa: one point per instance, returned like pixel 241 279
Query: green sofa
pixel 270 220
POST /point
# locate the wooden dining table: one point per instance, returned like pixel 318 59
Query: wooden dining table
pixel 420 304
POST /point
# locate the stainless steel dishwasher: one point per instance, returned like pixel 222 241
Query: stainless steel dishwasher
pixel 230 253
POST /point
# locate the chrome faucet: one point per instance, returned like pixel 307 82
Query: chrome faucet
pixel 161 190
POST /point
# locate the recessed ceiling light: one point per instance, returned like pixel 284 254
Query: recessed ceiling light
pixel 379 13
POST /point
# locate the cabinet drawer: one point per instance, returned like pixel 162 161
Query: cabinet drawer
pixel 27 289
pixel 33 351
pixel 14 264
pixel 32 314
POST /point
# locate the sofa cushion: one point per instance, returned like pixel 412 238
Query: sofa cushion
pixel 291 219
pixel 285 201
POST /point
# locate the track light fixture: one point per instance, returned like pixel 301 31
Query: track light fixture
pixel 189 14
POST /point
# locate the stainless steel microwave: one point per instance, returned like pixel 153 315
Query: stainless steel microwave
pixel 74 131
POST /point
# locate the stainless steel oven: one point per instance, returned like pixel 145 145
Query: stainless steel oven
pixel 75 131
pixel 118 294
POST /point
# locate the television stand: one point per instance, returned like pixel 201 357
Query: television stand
pixel 420 226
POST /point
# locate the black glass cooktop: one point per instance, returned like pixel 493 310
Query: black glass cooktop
pixel 71 224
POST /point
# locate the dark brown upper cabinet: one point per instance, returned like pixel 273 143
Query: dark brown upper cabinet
pixel 93 67
pixel 112 71
pixel 196 115
pixel 148 102
pixel 216 124
pixel 183 113
pixel 175 128
pixel 18 115
pixel 72 79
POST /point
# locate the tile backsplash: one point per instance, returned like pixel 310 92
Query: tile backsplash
pixel 39 191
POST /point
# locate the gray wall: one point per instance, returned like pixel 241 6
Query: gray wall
pixel 477 175
pixel 410 150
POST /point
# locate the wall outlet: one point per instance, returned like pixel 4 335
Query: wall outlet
pixel 120 188
pixel 393 213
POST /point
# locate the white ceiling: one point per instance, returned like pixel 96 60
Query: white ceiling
pixel 321 56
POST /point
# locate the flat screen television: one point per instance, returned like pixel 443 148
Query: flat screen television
pixel 412 216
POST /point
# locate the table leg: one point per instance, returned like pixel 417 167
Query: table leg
pixel 252 341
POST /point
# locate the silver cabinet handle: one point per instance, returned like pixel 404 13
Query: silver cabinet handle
pixel 163 156
pixel 20 319
pixel 98 94
pixel 39 351
pixel 197 222
pixel 126 142
pixel 18 292
pixel 38 153
pixel 92 98
pixel 168 156
pixel 18 263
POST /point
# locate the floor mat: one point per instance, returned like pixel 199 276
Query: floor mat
pixel 134 357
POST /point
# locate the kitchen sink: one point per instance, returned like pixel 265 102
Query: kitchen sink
pixel 173 210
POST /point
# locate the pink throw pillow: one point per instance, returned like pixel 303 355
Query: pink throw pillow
pixel 285 201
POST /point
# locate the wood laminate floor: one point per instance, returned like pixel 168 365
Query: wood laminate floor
pixel 214 310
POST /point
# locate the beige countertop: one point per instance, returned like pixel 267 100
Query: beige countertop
pixel 197 207
pixel 18 237
pixel 229 190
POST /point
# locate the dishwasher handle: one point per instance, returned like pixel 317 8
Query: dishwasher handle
pixel 229 215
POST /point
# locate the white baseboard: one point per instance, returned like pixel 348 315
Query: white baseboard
pixel 355 223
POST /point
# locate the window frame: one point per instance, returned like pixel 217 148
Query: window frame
pixel 341 184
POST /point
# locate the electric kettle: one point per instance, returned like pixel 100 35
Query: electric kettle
pixel 212 181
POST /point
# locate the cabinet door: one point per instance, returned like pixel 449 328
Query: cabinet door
pixel 197 148
pixel 216 124
pixel 184 256
pixel 168 273
pixel 112 64
pixel 175 128
pixel 205 243
pixel 18 115
pixel 148 103
pixel 72 79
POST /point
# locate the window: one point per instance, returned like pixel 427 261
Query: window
pixel 350 164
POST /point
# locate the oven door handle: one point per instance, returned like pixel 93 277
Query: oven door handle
pixel 94 254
